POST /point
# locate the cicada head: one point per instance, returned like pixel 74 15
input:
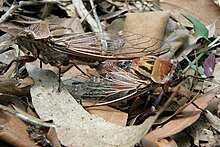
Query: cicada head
pixel 167 72
pixel 32 37
pixel 159 70
pixel 176 75
pixel 25 40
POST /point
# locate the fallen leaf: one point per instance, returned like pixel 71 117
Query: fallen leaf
pixel 9 86
pixel 213 120
pixel 176 35
pixel 5 43
pixel 155 22
pixel 189 115
pixel 200 132
pixel 14 131
pixel 76 126
pixel 204 10
pixel 110 114
pixel 52 136
pixel 168 142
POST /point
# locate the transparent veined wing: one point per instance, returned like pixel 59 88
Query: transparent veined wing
pixel 124 45
pixel 114 84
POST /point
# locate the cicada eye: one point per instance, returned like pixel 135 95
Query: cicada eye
pixel 26 34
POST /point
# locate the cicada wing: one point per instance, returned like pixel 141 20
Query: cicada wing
pixel 126 45
pixel 114 84
pixel 132 44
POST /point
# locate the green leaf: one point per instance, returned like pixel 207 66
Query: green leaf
pixel 199 28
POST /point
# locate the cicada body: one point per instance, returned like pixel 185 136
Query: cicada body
pixel 113 84
pixel 159 70
pixel 137 77
pixel 59 46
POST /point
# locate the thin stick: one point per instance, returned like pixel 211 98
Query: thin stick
pixel 96 17
pixel 20 4
pixel 127 5
pixel 82 11
pixel 101 34
pixel 25 118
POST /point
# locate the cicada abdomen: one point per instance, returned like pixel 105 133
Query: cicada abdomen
pixel 159 70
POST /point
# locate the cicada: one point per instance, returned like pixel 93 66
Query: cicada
pixel 58 45
pixel 124 80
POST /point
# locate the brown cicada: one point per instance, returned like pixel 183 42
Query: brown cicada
pixel 127 79
pixel 60 46
pixel 124 80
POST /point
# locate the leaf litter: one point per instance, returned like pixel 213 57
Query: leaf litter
pixel 146 119
pixel 74 124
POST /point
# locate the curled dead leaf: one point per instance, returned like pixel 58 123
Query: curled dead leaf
pixel 189 115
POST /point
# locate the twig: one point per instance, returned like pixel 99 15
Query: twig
pixel 127 5
pixel 96 16
pixel 83 13
pixel 25 118
pixel 101 33
pixel 20 4
pixel 148 5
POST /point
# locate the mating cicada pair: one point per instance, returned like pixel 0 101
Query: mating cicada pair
pixel 61 46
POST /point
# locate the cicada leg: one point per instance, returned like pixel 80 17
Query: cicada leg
pixel 59 79
pixel 167 88
pixel 20 59
pixel 77 67
pixel 41 64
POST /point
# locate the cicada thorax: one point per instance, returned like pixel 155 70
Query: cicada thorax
pixel 161 71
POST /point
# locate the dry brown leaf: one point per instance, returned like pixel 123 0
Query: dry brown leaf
pixel 14 131
pixel 204 10
pixel 152 24
pixel 168 142
pixel 52 136
pixel 213 120
pixel 25 82
pixel 189 115
pixel 74 23
pixel 5 43
pixel 201 131
pixel 24 113
pixel 176 35
pixel 110 114
pixel 11 28
pixel 9 87
pixel 7 99
pixel 149 24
